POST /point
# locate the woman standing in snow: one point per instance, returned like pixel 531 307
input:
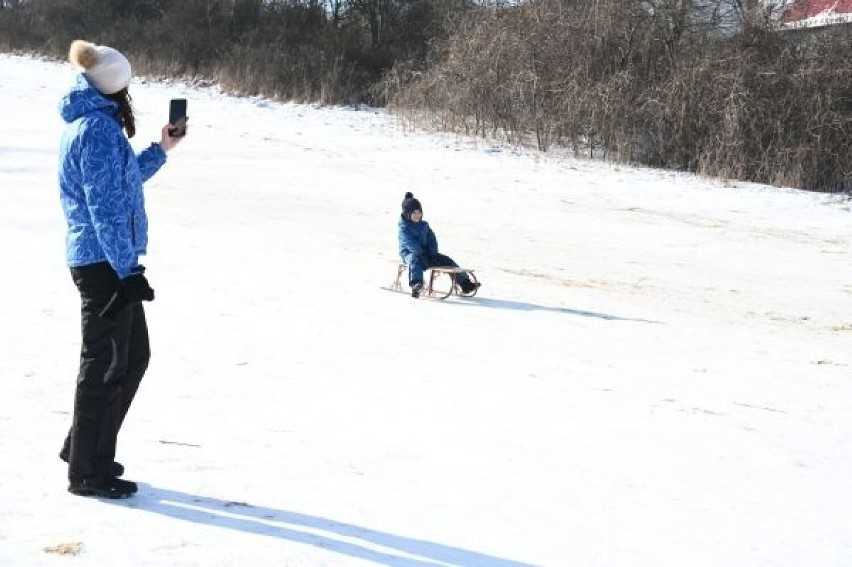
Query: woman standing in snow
pixel 100 182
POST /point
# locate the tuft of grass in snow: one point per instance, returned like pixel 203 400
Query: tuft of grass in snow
pixel 65 548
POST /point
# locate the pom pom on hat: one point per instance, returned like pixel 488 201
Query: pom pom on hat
pixel 410 204
pixel 106 68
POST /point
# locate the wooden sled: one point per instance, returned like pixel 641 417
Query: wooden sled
pixel 439 282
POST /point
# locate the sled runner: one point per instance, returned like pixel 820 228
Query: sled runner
pixel 439 282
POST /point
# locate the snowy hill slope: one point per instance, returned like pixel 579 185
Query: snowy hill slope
pixel 656 372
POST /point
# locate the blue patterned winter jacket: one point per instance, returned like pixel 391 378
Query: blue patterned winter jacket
pixel 100 182
pixel 416 238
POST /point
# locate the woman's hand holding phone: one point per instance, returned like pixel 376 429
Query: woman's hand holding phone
pixel 175 130
pixel 168 141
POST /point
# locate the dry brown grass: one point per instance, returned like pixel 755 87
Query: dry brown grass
pixel 610 78
pixel 66 548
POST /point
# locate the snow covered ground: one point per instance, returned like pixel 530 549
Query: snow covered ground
pixel 656 372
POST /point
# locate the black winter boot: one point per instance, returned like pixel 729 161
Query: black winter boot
pixel 469 287
pixel 113 488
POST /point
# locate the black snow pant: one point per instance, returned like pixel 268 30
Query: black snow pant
pixel 113 359
pixel 419 262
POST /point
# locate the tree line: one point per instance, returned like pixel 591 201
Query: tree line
pixel 713 87
pixel 710 86
pixel 327 51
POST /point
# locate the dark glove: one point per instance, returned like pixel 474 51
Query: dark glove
pixel 136 288
pixel 132 289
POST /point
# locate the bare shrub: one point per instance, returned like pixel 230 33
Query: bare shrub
pixel 700 86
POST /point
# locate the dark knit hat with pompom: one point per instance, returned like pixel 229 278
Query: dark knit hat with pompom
pixel 410 204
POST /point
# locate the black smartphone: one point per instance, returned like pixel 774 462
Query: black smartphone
pixel 177 117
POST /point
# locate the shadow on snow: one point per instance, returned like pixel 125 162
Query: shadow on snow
pixel 399 551
pixel 523 306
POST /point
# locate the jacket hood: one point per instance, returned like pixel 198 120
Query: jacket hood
pixel 82 99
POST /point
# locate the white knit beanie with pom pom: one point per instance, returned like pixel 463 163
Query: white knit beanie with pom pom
pixel 107 69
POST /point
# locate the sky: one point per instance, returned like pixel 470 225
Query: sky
pixel 656 372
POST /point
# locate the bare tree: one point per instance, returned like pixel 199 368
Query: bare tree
pixel 376 13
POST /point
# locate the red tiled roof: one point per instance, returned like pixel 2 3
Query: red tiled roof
pixel 804 9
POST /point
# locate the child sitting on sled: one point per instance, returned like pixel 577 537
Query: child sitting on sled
pixel 418 248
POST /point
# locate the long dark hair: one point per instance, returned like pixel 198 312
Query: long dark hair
pixel 125 111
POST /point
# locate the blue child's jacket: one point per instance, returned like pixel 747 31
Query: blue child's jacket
pixel 416 238
pixel 100 181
